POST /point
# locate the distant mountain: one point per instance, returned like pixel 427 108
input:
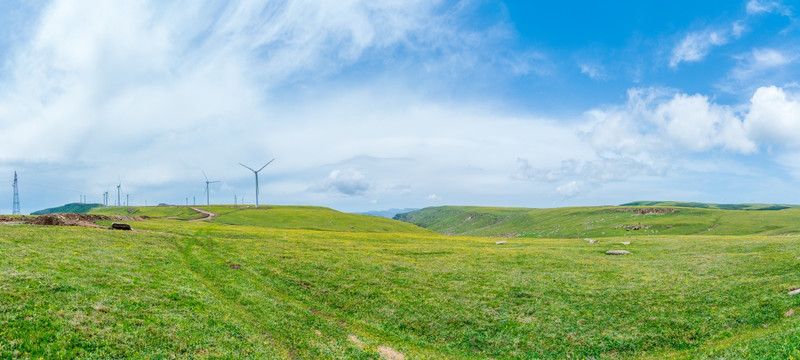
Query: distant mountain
pixel 387 213
pixel 76 208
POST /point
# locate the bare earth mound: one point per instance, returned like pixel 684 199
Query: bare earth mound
pixel 70 219
pixel 67 219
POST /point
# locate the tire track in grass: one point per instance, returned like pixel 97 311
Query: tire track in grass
pixel 239 313
pixel 304 316
pixel 281 314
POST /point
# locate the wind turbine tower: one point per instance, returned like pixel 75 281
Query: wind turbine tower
pixel 15 209
pixel 256 173
pixel 119 196
pixel 208 196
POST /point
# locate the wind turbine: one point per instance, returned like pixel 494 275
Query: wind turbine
pixel 119 196
pixel 256 172
pixel 208 196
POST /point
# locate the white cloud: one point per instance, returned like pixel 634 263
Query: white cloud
pixel 594 71
pixel 571 188
pixel 654 122
pixel 757 64
pixel 348 182
pixel 769 58
pixel 774 117
pixel 694 123
pixel 738 28
pixel 755 7
pixel 696 45
pixel 586 175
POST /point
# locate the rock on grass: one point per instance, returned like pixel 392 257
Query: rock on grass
pixel 617 252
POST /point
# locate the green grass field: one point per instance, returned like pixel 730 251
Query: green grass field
pixel 170 212
pixel 603 221
pixel 299 283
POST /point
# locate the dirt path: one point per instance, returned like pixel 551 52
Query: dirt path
pixel 207 215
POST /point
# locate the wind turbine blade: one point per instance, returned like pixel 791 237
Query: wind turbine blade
pixel 211 182
pixel 265 165
pixel 249 168
pixel 204 174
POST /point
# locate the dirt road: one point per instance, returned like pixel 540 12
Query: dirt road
pixel 207 215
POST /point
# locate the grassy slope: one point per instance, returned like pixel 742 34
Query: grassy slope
pixel 68 208
pixel 601 221
pixel 170 212
pixel 279 217
pixel 310 218
pixel 175 290
pixel 712 206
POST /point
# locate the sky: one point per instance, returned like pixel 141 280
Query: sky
pixel 378 104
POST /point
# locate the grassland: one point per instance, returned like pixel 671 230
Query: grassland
pixel 711 206
pixel 603 221
pixel 241 288
pixel 169 212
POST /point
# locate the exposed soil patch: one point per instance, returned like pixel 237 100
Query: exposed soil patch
pixel 70 219
pixel 390 354
pixel 355 340
pixel 11 219
pixel 67 219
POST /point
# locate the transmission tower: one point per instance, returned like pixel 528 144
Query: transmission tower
pixel 15 209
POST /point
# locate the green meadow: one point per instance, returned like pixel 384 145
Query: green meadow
pixel 605 221
pixel 290 282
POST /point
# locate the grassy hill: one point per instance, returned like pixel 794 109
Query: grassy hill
pixel 712 206
pixel 259 284
pixel 603 221
pixel 168 212
pixel 278 217
pixel 314 218
pixel 76 208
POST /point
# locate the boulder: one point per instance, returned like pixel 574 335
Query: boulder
pixel 120 226
pixel 617 252
pixel 591 241
pixel 501 242
pixel 625 243
pixel 794 292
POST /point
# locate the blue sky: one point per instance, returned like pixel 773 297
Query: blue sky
pixel 380 104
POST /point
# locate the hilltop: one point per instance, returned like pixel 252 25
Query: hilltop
pixel 605 221
pixel 712 206
pixel 75 208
